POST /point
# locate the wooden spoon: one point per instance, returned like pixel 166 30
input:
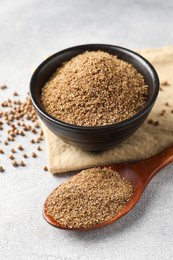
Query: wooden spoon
pixel 138 173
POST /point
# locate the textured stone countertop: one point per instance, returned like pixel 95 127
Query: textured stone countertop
pixel 29 32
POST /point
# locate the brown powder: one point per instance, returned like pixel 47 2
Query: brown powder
pixel 93 89
pixel 89 198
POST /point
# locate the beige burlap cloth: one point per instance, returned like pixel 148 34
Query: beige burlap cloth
pixel 149 139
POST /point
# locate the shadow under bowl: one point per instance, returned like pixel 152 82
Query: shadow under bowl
pixel 97 138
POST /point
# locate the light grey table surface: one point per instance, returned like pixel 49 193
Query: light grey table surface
pixel 29 31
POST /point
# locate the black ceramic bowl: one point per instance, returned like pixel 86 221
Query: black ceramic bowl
pixel 100 137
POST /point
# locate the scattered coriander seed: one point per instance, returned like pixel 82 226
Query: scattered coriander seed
pixel 34 131
pixel 25 155
pixel 34 155
pixel 20 132
pixel 150 121
pixel 39 148
pixel 165 83
pixel 45 168
pixel 1 169
pixel 12 134
pixel 171 111
pixel 4 104
pixel 29 127
pixel 38 140
pixel 21 163
pixel 1 151
pixel 16 132
pixel 163 112
pixel 3 86
pixel 12 150
pixel 41 132
pixel 25 128
pixel 11 157
pixel 28 117
pixel 167 104
pixel 13 115
pixel 15 164
pixel 36 125
pixel 15 94
pixel 10 139
pixel 156 123
pixel 20 147
pixel 32 141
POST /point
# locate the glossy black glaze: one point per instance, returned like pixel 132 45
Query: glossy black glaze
pixel 102 137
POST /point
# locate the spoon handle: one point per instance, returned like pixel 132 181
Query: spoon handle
pixel 151 166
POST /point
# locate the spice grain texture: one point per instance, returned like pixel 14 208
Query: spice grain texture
pixel 93 89
pixel 89 198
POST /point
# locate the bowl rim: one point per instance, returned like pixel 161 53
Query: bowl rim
pixel 119 124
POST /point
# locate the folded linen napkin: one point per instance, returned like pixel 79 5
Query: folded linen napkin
pixel 153 136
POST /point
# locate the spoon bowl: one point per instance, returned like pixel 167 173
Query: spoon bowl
pixel 138 174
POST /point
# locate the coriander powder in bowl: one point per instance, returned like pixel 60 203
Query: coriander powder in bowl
pixel 94 96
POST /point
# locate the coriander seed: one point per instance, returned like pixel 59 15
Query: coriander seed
pixel 39 148
pixel 150 121
pixel 156 123
pixel 20 147
pixel 12 150
pixel 1 169
pixel 21 163
pixel 3 87
pixel 165 83
pixel 11 157
pixel 1 151
pixel 34 155
pixel 15 164
pixel 45 168
pixel 15 94
pixel 25 155
pixel 13 116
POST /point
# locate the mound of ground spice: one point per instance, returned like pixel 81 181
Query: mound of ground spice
pixel 94 89
pixel 89 198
